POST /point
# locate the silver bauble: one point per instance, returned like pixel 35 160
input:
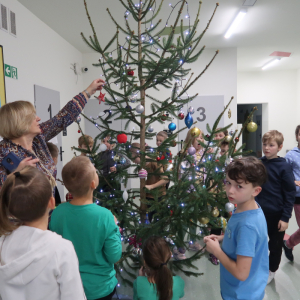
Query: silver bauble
pixel 140 109
pixel 150 129
pixel 229 207
pixel 133 98
pixel 102 147
pixel 78 119
pixel 231 132
pixel 191 110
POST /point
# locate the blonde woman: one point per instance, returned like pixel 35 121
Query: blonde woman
pixel 26 138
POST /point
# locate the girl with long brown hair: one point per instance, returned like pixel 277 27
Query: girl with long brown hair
pixel 155 281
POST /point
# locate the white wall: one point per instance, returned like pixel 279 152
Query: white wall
pixel 278 89
pixel 219 79
pixel 43 58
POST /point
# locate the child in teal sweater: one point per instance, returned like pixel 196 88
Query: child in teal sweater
pixel 92 230
pixel 159 283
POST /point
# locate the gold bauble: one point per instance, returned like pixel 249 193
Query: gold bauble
pixel 228 138
pixel 252 127
pixel 195 132
pixel 215 213
pixel 204 220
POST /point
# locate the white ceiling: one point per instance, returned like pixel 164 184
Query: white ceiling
pixel 270 25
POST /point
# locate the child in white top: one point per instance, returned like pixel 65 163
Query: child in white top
pixel 34 263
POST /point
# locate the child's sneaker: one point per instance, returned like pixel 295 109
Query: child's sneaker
pixel 177 255
pixel 288 252
pixel 195 247
pixel 213 259
pixel 271 276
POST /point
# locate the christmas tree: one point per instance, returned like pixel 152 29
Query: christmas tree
pixel 136 61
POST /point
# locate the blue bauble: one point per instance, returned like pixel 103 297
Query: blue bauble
pixel 188 120
pixel 172 126
pixel 122 160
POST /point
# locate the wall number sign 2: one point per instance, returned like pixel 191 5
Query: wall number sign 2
pixel 202 114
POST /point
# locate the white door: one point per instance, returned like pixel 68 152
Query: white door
pixel 47 105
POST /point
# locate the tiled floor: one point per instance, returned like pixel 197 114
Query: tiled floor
pixel 285 286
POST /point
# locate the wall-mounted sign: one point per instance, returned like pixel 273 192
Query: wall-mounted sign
pixel 11 71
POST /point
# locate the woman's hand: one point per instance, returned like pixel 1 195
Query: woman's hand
pixel 96 85
pixel 28 161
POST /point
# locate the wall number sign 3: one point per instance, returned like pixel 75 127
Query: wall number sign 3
pixel 202 114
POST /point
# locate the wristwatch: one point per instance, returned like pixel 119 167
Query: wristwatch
pixel 87 93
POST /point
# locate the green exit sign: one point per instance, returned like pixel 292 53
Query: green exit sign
pixel 11 71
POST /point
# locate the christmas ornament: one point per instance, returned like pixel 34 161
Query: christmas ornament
pixel 181 115
pixel 231 132
pixel 162 157
pixel 150 129
pixel 122 160
pixel 191 150
pixel 147 222
pixel 228 138
pixel 133 241
pixel 229 207
pixel 203 220
pixel 207 136
pixel 143 173
pixel 133 98
pixel 188 120
pixel 191 110
pixel 130 72
pixel 79 131
pixel 140 109
pixel 116 158
pixel 229 113
pixel 173 143
pixel 236 139
pixel 78 119
pixel 102 147
pixel 195 132
pixel 215 213
pixel 222 222
pixel 69 197
pixel 128 107
pixel 164 117
pixel 181 250
pixel 121 230
pixel 169 168
pixel 252 127
pixel 125 196
pixel 101 97
pixel 137 252
pixel 158 158
pixel 122 138
pixel 172 126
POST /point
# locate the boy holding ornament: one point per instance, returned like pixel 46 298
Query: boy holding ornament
pixel 244 254
pixel 277 197
pixel 91 228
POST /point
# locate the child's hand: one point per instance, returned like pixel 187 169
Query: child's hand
pixel 113 169
pixel 210 150
pixel 142 271
pixel 219 238
pixel 212 246
pixel 282 226
pixel 148 187
pixel 297 183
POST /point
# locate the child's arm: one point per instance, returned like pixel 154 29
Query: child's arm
pixel 240 268
pixel 159 183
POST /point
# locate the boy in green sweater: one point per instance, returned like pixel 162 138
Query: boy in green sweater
pixel 92 229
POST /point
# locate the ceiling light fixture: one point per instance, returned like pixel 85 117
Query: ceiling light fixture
pixel 235 22
pixel 271 63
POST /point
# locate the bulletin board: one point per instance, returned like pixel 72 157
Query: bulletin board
pixel 2 79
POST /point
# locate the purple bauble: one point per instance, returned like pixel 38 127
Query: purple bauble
pixel 191 150
pixel 143 173
pixel 181 250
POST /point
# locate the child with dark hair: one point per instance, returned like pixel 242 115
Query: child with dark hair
pixel 244 260
pixel 159 283
pixel 91 228
pixel 34 263
pixel 277 197
pixel 220 135
pixel 293 158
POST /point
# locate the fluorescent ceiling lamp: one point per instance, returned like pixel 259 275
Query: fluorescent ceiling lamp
pixel 271 63
pixel 235 23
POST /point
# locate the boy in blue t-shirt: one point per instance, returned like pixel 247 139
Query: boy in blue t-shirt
pixel 244 258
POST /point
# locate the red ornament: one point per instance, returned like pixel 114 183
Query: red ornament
pixel 134 242
pixel 163 117
pixel 207 136
pixel 162 157
pixel 217 160
pixel 158 158
pixel 101 98
pixel 236 139
pixel 122 138
pixel 79 131
pixel 69 197
pixel 181 116
pixel 171 212
pixel 130 73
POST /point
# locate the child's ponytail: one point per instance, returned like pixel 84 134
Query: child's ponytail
pixel 157 254
pixel 24 197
